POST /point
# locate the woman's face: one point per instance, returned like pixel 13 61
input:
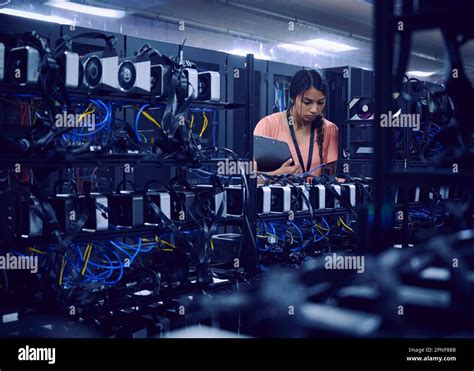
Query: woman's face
pixel 310 104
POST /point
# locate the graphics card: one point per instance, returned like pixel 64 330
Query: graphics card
pixel 317 196
pixel 29 222
pixel 298 196
pixel 160 79
pixel 331 200
pixel 193 82
pixel 66 208
pixel 181 202
pixel 96 206
pixel 210 201
pixel 134 75
pixel 23 65
pixel 209 86
pixel 235 199
pixel 100 70
pixel 71 69
pixel 162 200
pixel 348 193
pixel 126 209
pixel 264 200
pixel 280 198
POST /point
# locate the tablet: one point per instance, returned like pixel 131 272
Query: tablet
pixel 270 153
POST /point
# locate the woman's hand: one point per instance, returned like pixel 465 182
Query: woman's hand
pixel 287 168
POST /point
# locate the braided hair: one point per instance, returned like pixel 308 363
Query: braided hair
pixel 302 81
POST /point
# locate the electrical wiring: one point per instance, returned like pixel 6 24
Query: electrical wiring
pixel 151 118
pixel 151 245
pixel 120 266
pixel 88 111
pixel 147 115
pixel 266 247
pixel 63 265
pixel 36 250
pixel 110 269
pixel 88 275
pixel 167 243
pixel 320 228
pixel 106 121
pixel 341 221
pixel 299 230
pixel 204 125
pixel 87 255
pixel 312 170
pixel 78 133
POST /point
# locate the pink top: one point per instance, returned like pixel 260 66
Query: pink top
pixel 275 126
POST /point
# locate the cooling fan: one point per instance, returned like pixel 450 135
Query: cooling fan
pixel 127 75
pixel 134 75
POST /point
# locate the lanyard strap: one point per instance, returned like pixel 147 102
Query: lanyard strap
pixel 297 147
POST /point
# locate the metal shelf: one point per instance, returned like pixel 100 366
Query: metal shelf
pixel 114 160
pixel 64 160
pixel 324 212
pixel 110 233
pixel 34 92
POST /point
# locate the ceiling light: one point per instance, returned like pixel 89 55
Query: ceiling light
pixel 328 45
pixel 87 9
pixel 243 53
pixel 301 48
pixel 419 73
pixel 35 16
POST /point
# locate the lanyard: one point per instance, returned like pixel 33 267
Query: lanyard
pixel 297 147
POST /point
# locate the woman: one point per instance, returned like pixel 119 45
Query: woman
pixel 312 139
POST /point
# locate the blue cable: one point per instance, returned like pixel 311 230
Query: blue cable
pixel 111 270
pixel 137 119
pixel 126 246
pixel 122 250
pixel 326 234
pixel 316 168
pixel 326 223
pixel 101 277
pixel 101 125
pixel 299 230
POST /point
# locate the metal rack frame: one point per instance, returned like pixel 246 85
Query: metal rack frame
pixel 381 212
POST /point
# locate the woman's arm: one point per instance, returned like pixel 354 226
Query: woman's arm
pixel 286 168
